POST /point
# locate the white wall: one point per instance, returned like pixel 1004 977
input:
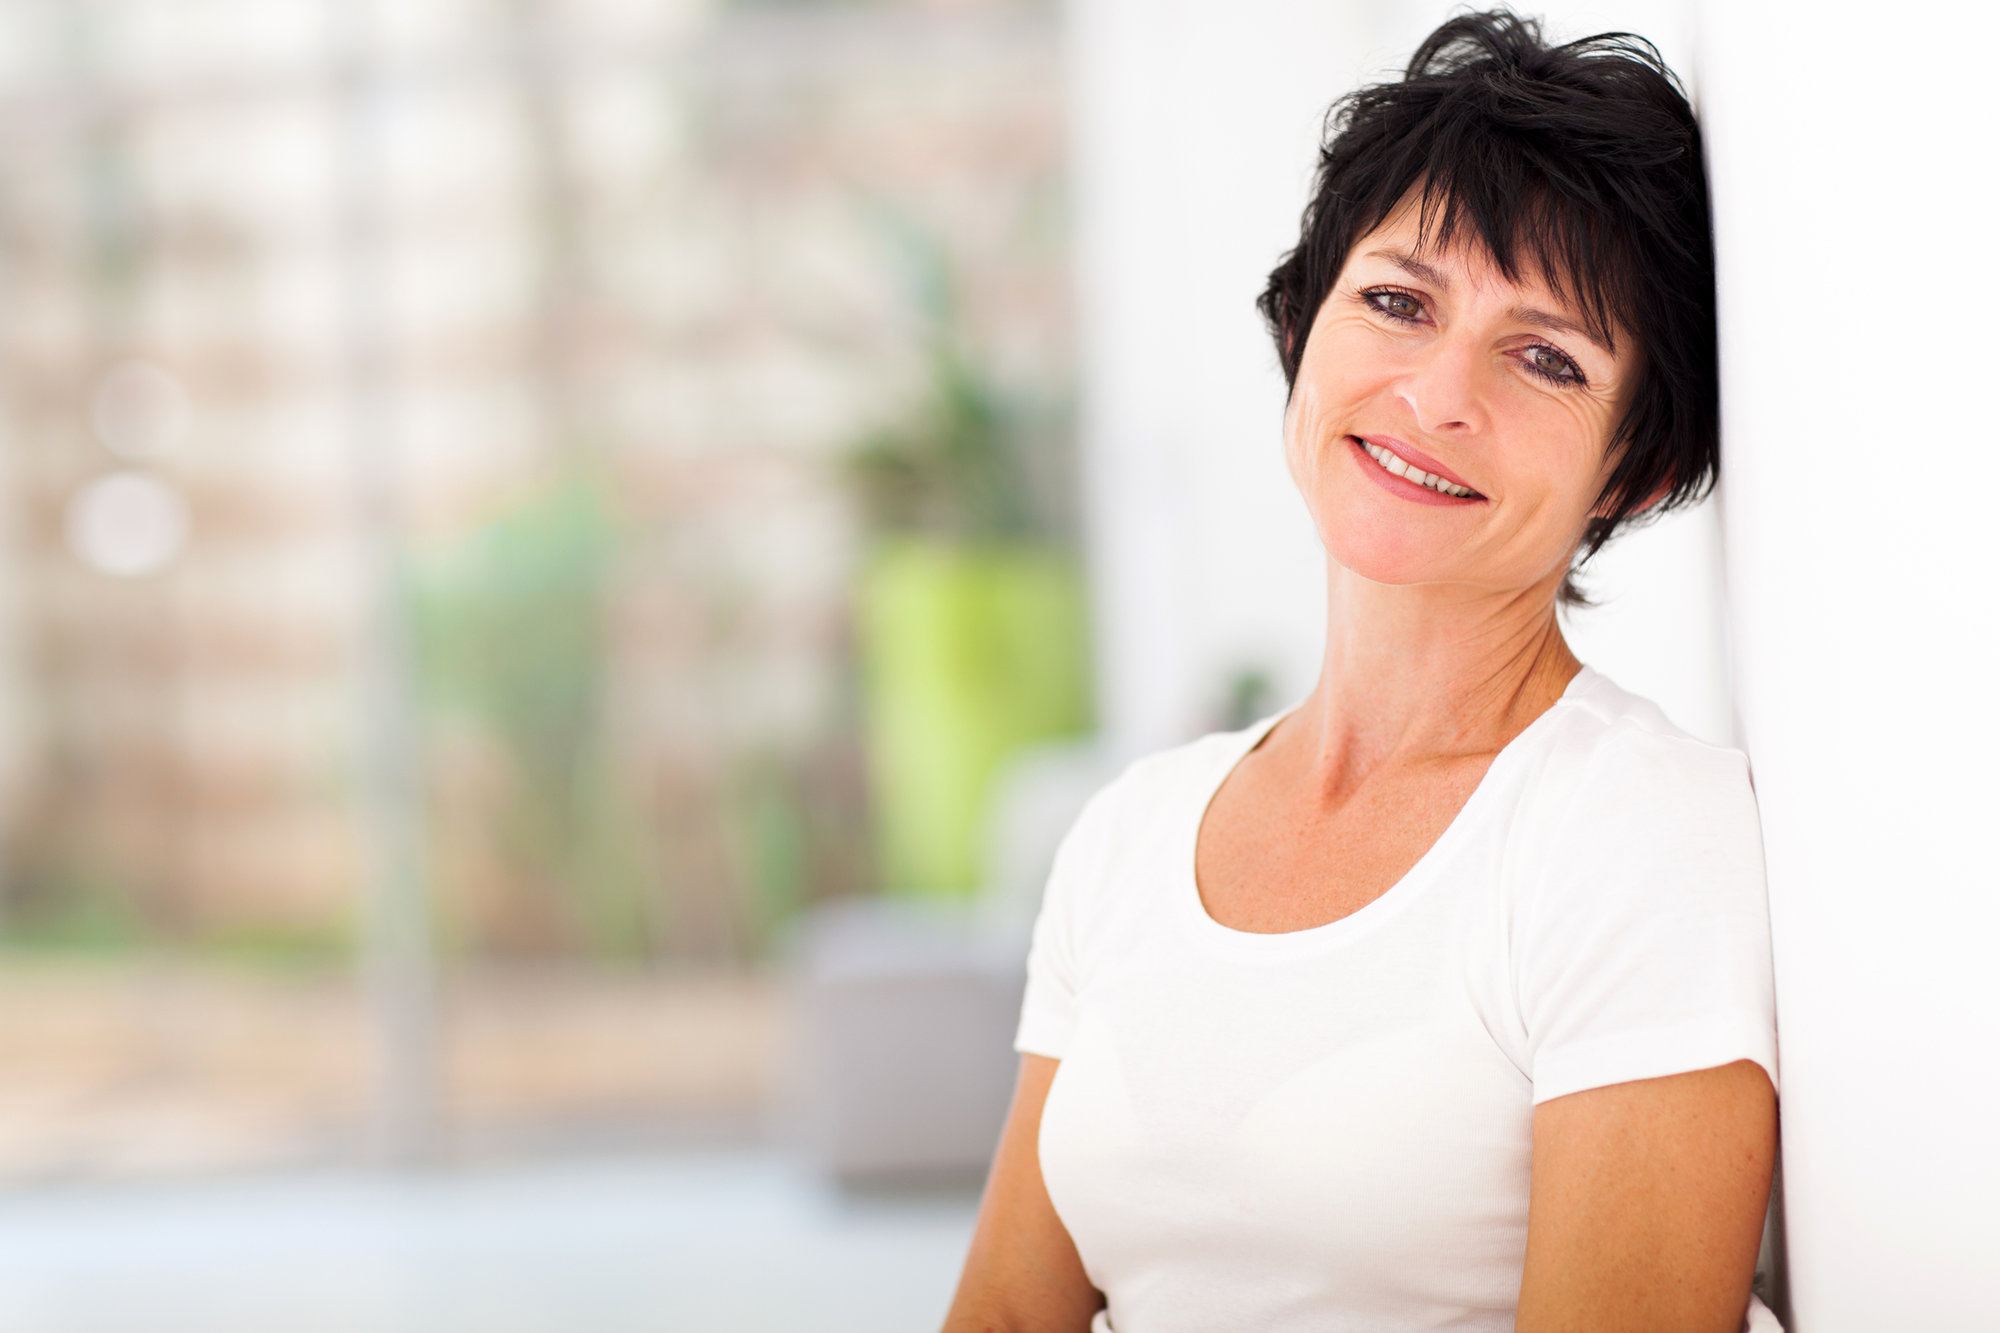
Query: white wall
pixel 1853 164
pixel 1194 130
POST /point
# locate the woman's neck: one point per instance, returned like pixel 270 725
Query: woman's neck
pixel 1417 673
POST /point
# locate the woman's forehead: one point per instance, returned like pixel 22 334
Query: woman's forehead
pixel 1448 257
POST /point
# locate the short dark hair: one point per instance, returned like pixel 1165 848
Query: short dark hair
pixel 1583 160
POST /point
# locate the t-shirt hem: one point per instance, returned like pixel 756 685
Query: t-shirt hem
pixel 1679 1048
pixel 1038 1035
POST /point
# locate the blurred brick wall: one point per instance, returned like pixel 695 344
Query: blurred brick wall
pixel 656 240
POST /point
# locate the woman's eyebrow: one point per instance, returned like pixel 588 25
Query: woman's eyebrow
pixel 1413 266
pixel 1555 323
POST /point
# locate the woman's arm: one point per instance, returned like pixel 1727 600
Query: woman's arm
pixel 1022 1274
pixel 1647 1204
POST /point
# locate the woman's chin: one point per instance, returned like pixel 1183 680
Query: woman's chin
pixel 1396 557
pixel 1390 575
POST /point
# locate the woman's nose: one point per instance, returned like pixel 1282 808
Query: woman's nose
pixel 1442 388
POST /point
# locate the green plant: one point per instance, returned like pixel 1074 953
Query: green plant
pixel 969 460
pixel 970 612
pixel 63 907
pixel 510 635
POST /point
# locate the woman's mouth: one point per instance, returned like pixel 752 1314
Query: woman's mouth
pixel 1397 466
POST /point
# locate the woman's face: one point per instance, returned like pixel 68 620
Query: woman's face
pixel 1434 363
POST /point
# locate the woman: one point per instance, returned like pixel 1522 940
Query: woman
pixel 1441 999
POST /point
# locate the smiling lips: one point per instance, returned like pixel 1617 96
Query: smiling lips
pixel 1394 463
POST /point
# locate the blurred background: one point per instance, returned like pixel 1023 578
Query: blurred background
pixel 465 463
pixel 563 568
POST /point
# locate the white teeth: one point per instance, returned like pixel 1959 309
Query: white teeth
pixel 1391 463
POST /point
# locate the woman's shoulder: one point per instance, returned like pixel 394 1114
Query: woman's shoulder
pixel 1638 928
pixel 1601 729
pixel 1613 767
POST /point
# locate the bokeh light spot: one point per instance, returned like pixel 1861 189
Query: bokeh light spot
pixel 127 524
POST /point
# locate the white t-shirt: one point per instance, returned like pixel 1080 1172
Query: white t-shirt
pixel 1330 1128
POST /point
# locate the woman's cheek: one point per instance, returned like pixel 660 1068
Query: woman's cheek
pixel 1569 470
pixel 1304 443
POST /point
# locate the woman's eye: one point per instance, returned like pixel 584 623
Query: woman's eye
pixel 1399 304
pixel 1551 364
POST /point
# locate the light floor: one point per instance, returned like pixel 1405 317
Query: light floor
pixel 718 1243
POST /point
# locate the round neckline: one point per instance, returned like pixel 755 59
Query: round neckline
pixel 1366 918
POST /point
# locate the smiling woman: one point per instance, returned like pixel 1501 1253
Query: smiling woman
pixel 1572 174
pixel 1442 998
pixel 1425 336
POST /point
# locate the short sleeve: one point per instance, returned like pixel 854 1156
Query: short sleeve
pixel 1048 1006
pixel 1644 947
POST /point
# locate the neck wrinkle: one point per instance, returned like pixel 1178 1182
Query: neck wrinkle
pixel 1413 674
